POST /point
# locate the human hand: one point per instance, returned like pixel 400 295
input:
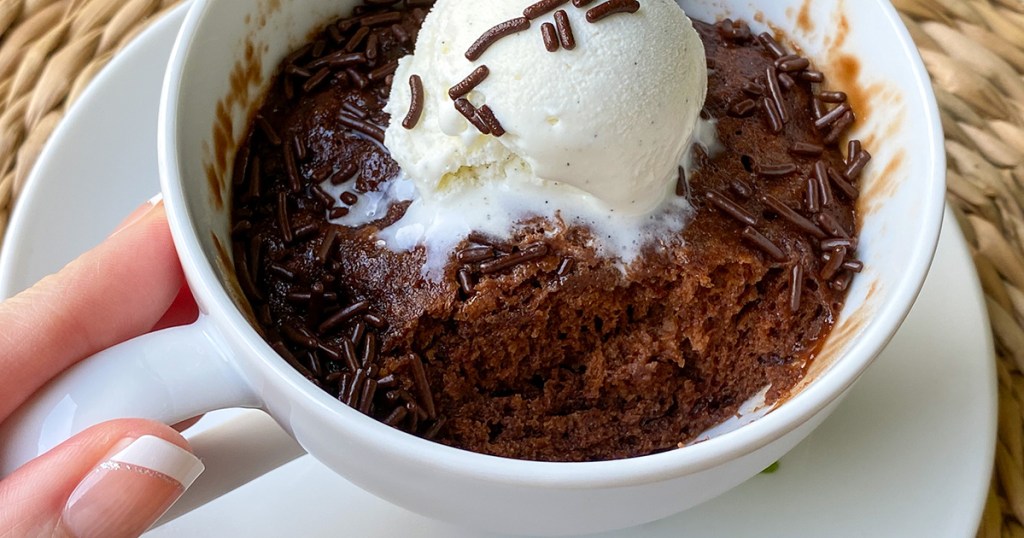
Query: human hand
pixel 115 479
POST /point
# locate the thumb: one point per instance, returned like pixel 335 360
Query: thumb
pixel 113 480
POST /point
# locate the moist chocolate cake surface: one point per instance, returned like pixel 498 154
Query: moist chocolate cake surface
pixel 534 346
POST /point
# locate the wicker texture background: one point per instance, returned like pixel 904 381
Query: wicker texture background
pixel 974 49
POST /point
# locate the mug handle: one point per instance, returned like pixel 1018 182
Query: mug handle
pixel 168 376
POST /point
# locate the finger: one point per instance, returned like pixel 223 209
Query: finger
pixel 113 481
pixel 117 291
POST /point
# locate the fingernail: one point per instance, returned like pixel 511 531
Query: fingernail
pixel 127 493
pixel 139 212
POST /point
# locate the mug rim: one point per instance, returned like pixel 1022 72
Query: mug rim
pixel 797 410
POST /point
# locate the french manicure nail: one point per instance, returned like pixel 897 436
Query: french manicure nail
pixel 139 212
pixel 125 494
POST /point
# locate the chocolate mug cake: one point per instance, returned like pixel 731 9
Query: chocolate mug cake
pixel 548 341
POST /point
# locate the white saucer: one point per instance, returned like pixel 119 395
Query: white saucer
pixel 909 453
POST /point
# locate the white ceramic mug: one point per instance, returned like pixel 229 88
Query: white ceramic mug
pixel 225 57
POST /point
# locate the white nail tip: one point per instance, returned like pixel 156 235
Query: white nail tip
pixel 166 458
pixel 156 199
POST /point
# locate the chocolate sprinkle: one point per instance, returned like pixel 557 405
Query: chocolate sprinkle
pixel 533 252
pixel 316 79
pixel 853 148
pixel 743 108
pixel 812 198
pixel 841 282
pixel 344 315
pixel 349 198
pixel 358 333
pixel 565 267
pixel 817 108
pixel 495 33
pixel 815 77
pixel 245 278
pixel 254 180
pixel 299 336
pixel 357 38
pixel 383 71
pixel 682 187
pixel 855 168
pixel 832 116
pixel 396 417
pixel 470 113
pixel 731 208
pixel 369 350
pixel 540 8
pixel 268 130
pixel 763 243
pixel 337 59
pixel 789 56
pixel 806 149
pixel 844 186
pixel 412 118
pixel 775 170
pixel 565 35
pixel 794 64
pixel 381 19
pixel 773 46
pixel 854 266
pixel 419 375
pixel 849 242
pixel 366 398
pixel 550 36
pixel 435 429
pixel 840 127
pixel 612 7
pixel 465 279
pixel 287 355
pixel 776 93
pixel 835 261
pixel 467 84
pixel 753 88
pixel 796 287
pixel 283 220
pixel 741 188
pixel 475 254
pixel 348 352
pixel 486 115
pixel 824 190
pixel 294 180
pixel 793 217
pixel 774 121
pixel 786 81
pixel 832 97
pixel 362 126
pixel 831 225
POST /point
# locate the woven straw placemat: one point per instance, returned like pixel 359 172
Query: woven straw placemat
pixel 974 49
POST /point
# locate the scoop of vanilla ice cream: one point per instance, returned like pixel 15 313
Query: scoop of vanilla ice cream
pixel 611 117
